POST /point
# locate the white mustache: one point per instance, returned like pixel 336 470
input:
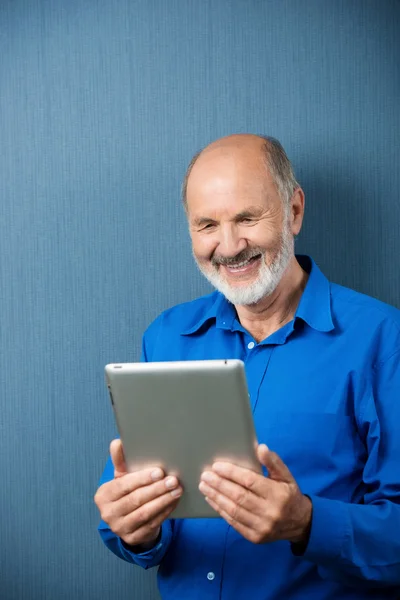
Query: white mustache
pixel 243 256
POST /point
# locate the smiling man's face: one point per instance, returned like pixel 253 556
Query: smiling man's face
pixel 240 229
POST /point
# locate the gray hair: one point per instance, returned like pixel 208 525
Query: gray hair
pixel 277 162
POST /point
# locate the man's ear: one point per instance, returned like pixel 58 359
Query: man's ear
pixel 297 204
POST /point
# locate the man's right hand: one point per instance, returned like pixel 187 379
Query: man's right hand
pixel 134 505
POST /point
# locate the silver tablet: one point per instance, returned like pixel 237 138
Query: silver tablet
pixel 182 416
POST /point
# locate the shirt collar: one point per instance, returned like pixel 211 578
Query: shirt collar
pixel 314 307
pixel 315 304
pixel 222 311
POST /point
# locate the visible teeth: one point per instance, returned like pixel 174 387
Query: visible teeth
pixel 239 265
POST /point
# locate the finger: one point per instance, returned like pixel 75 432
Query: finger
pixel 142 495
pixel 245 531
pixel 148 513
pixel 146 532
pixel 242 476
pixel 236 513
pixel 239 495
pixel 277 469
pixel 125 484
pixel 117 457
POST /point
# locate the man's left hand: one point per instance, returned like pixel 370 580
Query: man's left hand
pixel 262 509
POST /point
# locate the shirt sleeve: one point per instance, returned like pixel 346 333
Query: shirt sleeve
pixel 359 544
pixel 150 558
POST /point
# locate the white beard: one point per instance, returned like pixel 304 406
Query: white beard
pixel 267 280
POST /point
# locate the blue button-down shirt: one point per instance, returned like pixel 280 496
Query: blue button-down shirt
pixel 325 394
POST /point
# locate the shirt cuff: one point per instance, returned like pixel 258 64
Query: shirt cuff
pixel 330 527
pixel 151 557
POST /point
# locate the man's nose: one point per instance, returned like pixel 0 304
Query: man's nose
pixel 231 242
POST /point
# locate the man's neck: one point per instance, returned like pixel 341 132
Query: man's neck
pixel 273 312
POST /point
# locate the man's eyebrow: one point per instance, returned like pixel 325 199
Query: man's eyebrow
pixel 202 221
pixel 251 211
pixel 248 213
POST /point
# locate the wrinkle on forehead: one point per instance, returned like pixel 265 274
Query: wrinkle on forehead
pixel 231 178
pixel 232 158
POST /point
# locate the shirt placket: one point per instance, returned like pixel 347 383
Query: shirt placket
pixel 256 363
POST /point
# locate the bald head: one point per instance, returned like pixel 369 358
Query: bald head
pixel 254 155
pixel 237 143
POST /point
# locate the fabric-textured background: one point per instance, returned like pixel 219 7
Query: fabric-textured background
pixel 102 104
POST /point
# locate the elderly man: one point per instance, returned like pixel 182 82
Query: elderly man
pixel 323 368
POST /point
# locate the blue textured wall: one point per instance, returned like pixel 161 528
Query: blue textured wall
pixel 102 104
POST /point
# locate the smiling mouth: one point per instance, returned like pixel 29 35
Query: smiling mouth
pixel 243 265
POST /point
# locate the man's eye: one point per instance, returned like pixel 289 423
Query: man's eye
pixel 208 226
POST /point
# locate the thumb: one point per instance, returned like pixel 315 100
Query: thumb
pixel 118 459
pixel 276 468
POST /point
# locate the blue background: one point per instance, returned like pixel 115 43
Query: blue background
pixel 102 105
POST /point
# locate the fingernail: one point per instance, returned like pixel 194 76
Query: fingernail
pixel 170 483
pixel 203 487
pixel 157 474
pixel 206 476
pixel 176 493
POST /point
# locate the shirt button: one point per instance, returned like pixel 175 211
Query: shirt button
pixel 210 576
pixel 250 345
